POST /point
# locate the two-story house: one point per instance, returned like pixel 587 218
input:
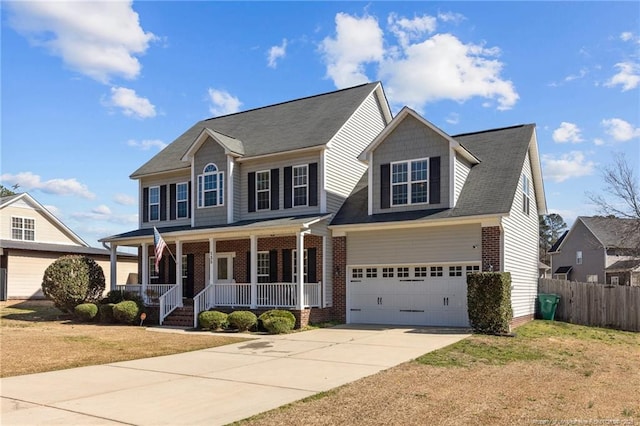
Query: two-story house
pixel 600 250
pixel 244 202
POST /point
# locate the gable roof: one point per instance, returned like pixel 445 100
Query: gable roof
pixel 613 232
pixel 554 248
pixel 489 189
pixel 288 126
pixel 7 201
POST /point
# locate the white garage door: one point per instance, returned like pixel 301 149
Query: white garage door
pixel 409 295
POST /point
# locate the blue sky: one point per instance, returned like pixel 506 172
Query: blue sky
pixel 91 91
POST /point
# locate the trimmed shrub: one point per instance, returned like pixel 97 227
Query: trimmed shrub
pixel 285 321
pixel 126 312
pixel 72 280
pixel 489 302
pixel 105 312
pixel 86 311
pixel 242 320
pixel 212 320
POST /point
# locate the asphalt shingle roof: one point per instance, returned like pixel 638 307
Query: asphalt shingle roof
pixel 614 232
pixel 292 125
pixel 57 248
pixel 489 189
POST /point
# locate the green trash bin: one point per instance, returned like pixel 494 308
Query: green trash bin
pixel 548 304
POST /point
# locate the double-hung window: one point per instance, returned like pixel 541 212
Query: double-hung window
pixel 263 190
pixel 211 187
pixel 23 228
pixel 295 265
pixel 152 268
pixel 182 200
pixel 300 185
pixel 264 264
pixel 410 182
pixel 154 203
pixel 526 197
pixel 579 257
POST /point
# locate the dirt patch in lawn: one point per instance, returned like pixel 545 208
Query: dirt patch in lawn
pixel 551 373
pixel 37 337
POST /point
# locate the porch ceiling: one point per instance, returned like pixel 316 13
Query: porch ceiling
pixel 243 229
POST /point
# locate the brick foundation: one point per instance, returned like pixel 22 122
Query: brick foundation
pixel 491 249
pixel 517 322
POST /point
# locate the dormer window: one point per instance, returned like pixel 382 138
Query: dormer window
pixel 410 182
pixel 210 187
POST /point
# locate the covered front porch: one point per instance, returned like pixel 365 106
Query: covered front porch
pixel 240 266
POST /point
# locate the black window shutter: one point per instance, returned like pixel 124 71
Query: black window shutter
pixel 171 279
pixel 287 270
pixel 385 186
pixel 313 184
pixel 434 180
pixel 163 202
pixel 161 268
pixel 275 189
pixel 252 191
pixel 288 187
pixel 248 267
pixel 312 266
pixel 145 204
pixel 189 200
pixel 273 266
pixel 172 201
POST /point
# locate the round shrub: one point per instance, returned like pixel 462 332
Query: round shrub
pixel 72 280
pixel 212 320
pixel 86 311
pixel 105 312
pixel 278 325
pixel 242 320
pixel 276 313
pixel 126 312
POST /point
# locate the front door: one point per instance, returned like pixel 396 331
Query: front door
pixel 225 268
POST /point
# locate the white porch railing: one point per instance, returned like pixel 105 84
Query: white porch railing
pixel 202 301
pixel 169 301
pixel 153 292
pixel 272 295
pixel 312 294
pixel 232 294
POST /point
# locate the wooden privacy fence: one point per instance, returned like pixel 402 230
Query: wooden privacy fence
pixel 594 304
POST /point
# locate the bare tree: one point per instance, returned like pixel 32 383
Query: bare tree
pixel 622 190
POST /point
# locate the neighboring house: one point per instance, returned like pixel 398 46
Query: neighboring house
pixel 31 238
pixel 238 197
pixel 598 249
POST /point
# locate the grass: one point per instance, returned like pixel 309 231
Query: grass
pixel 37 337
pixel 550 373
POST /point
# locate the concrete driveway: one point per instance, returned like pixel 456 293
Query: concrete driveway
pixel 218 385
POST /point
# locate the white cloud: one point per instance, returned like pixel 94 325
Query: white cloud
pixel 598 142
pixel 147 144
pixel 456 18
pixel 103 213
pixel 54 210
pixel 626 36
pixel 628 76
pixel 567 132
pixel 566 166
pixel 101 210
pixel 275 53
pixel 620 130
pixel 124 199
pixel 407 30
pixel 358 41
pixel 98 39
pixel 453 118
pixel 223 103
pixel 131 104
pixel 28 181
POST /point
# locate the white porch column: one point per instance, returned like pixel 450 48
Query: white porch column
pixel 144 254
pixel 114 267
pixel 213 262
pixel 254 271
pixel 179 271
pixel 300 269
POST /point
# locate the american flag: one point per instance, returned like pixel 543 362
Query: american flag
pixel 160 245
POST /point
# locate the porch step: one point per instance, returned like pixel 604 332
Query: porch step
pixel 181 317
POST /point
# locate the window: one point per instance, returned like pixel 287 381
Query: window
pixel 294 254
pixel 263 190
pixel 263 266
pixel 300 186
pixel 615 280
pixel 387 272
pixel 592 278
pixel 210 187
pixel 154 203
pixel 472 269
pixel 372 273
pixel 185 267
pixel 579 257
pixel 152 268
pixel 23 228
pixel 403 272
pixel 455 271
pixel 182 200
pixel 420 271
pixel 409 182
pixel 436 271
pixel 526 197
pixel 356 273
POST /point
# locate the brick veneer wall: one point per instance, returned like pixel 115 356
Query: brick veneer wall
pixel 340 278
pixel 491 249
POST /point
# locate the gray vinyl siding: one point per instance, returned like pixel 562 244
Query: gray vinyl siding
pixel 462 168
pixel 411 140
pixel 327 279
pixel 593 255
pixel 343 169
pixel 210 152
pixel 520 242
pixel 159 180
pixel 443 244
pixel 237 191
pixel 275 162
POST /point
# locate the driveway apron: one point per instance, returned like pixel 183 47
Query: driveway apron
pixel 215 386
